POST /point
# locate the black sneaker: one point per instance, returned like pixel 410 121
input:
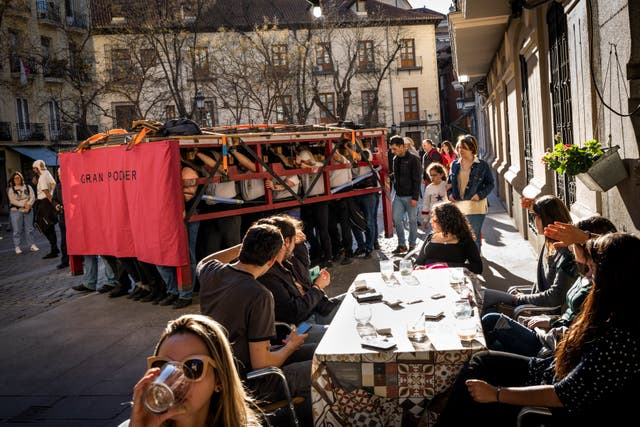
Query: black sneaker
pixel 142 294
pixel 118 291
pixel 360 251
pixel 161 295
pixel 50 255
pixel 82 288
pixel 135 292
pixel 105 289
pixel 400 250
pixel 169 299
pixel 182 303
pixel 150 296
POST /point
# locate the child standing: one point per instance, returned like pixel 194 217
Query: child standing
pixel 435 192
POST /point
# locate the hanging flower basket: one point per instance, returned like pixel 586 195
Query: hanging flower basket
pixel 599 169
pixel 606 172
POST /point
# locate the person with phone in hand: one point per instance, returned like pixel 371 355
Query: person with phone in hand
pixel 297 298
pixel 231 294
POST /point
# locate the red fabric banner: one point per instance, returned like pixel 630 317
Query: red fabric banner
pixel 125 203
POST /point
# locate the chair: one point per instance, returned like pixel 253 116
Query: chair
pixel 534 416
pixel 530 309
pixel 274 412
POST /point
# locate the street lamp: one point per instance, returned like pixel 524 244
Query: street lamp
pixel 393 129
pixel 200 104
pixel 316 10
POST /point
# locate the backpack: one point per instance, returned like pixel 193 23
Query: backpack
pixel 179 127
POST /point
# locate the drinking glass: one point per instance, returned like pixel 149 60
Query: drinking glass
pixel 169 388
pixel 362 313
pixel 386 269
pixel 416 330
pixel 406 267
pixel 465 322
pixel 456 278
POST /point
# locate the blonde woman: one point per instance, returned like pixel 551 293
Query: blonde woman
pixel 217 396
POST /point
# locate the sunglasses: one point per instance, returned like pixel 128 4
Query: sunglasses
pixel 195 367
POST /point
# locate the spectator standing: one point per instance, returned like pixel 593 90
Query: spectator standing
pixel 44 210
pixel 435 192
pixel 406 175
pixel 90 283
pixel 21 200
pixel 58 204
pixel 448 154
pixel 470 182
pixel 431 155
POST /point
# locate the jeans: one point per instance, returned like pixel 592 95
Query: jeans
pixel 367 203
pixel 400 206
pixel 20 222
pixel 476 221
pixel 91 271
pixel 493 297
pixel 170 279
pixel 505 334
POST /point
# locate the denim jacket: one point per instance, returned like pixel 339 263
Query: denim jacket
pixel 480 180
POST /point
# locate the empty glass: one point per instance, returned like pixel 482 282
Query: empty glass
pixel 406 267
pixel 465 322
pixel 386 269
pixel 416 330
pixel 362 313
pixel 456 278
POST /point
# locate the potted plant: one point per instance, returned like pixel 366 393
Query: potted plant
pixel 599 169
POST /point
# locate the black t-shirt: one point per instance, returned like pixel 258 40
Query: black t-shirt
pixel 240 303
pixel 461 254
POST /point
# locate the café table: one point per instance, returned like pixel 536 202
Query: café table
pixel 356 386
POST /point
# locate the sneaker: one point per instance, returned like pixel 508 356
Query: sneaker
pixel 18 250
pixel 159 297
pixel 118 291
pixel 34 248
pixel 182 303
pixel 359 251
pixel 367 255
pixel 82 288
pixel 105 289
pixel 135 292
pixel 50 255
pixel 400 250
pixel 169 299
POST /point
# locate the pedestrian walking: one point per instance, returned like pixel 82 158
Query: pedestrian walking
pixel 45 213
pixel 21 200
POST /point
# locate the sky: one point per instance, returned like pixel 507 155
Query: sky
pixel 441 6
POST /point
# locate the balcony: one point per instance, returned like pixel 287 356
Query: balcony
pixel 413 64
pixel 418 118
pixel 54 70
pixel 31 132
pixel 76 20
pixel 19 9
pixel 5 131
pixel 323 70
pixel 367 67
pixel 48 12
pixel 60 133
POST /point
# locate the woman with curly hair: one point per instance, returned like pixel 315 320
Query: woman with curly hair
pixel 594 375
pixel 216 397
pixel 451 241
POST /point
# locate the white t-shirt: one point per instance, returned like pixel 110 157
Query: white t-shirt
pixel 340 176
pixel 45 182
pixel 283 194
pixel 433 195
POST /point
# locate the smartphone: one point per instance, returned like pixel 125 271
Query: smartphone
pixel 378 344
pixel 314 273
pixel 303 328
pixel 437 296
pixel 434 316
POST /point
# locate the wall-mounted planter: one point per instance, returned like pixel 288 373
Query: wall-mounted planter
pixel 606 172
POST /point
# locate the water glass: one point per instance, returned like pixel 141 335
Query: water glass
pixel 386 269
pixel 406 267
pixel 362 313
pixel 465 322
pixel 168 389
pixel 456 278
pixel 416 330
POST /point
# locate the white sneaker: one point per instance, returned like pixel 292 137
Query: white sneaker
pixel 18 250
pixel 34 248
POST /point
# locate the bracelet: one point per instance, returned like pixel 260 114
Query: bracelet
pixel 498 390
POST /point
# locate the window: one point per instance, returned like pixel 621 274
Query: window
pixel 147 58
pixel 169 112
pixel 54 120
pixel 323 57
pixel 14 43
pixel 24 126
pixel 120 63
pixel 407 53
pixel 201 63
pixel 125 115
pixel 369 107
pixel 365 55
pixel 279 55
pixel 284 110
pixel 410 96
pixel 328 100
pixel 208 118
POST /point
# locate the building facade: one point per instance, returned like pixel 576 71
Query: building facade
pixel 561 67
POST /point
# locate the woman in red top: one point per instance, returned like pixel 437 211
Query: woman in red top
pixel 448 154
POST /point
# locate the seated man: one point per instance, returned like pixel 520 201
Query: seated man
pixel 296 298
pixel 231 295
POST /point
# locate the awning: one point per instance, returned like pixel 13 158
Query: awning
pixel 38 153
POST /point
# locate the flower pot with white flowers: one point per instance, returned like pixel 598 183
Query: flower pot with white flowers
pixel 599 169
